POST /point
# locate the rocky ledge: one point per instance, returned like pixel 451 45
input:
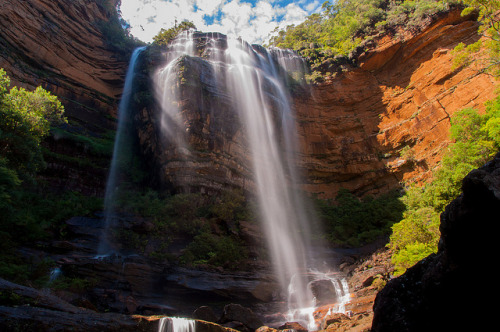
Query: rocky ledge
pixel 28 309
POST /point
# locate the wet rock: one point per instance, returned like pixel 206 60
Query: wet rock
pixel 324 291
pixel 205 313
pixel 40 319
pixel 238 313
pixel 292 326
pixel 32 295
pixel 203 326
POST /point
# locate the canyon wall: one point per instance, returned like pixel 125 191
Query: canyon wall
pixel 370 128
pixel 60 46
pixel 377 124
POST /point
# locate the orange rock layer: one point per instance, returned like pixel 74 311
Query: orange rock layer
pixel 60 46
pixel 386 122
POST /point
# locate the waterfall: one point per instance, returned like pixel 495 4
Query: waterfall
pixel 174 324
pixel 167 90
pixel 114 170
pixel 257 81
pixel 257 89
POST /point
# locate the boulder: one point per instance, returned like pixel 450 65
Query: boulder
pixel 205 313
pixel 324 291
pixel 293 326
pixel 238 313
pixel 336 318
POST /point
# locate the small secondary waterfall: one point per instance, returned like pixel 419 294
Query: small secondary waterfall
pixel 119 146
pixel 174 324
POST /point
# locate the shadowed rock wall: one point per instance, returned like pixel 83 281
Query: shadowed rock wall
pixel 438 293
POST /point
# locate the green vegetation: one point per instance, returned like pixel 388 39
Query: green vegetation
pixel 342 26
pixel 115 29
pixel 26 119
pixel 97 145
pixel 352 222
pixel 29 213
pixel 165 36
pixel 208 225
pixel 490 44
pixel 476 140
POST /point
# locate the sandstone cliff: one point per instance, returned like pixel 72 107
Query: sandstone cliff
pixel 60 46
pixel 387 121
pixel 368 128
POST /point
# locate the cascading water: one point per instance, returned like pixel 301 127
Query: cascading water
pixel 175 324
pixel 114 170
pixel 258 89
pixel 167 91
pixel 257 80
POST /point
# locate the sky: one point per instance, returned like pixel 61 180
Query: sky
pixel 252 20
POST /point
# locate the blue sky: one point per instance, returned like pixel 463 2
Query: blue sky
pixel 253 20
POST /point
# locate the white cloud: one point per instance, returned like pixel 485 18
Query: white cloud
pixel 251 21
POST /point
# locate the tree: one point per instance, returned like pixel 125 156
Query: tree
pixel 25 119
pixel 476 139
pixel 165 36
pixel 489 30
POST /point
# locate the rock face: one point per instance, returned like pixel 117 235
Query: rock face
pixel 388 120
pixel 25 308
pixel 438 292
pixel 215 156
pixel 366 129
pixel 60 46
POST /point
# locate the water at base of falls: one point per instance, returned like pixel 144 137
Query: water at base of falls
pixel 175 324
pixel 305 315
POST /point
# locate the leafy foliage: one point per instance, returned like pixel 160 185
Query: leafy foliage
pixel 165 36
pixel 28 212
pixel 209 225
pixel 216 250
pixel 476 141
pixel 352 222
pixel 343 25
pixel 25 120
pixel 490 29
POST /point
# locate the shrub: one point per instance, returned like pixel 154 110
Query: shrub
pixel 476 141
pixel 352 222
pixel 165 36
pixel 207 248
pixel 26 118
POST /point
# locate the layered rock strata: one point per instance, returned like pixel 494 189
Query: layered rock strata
pixel 369 128
pixel 60 46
